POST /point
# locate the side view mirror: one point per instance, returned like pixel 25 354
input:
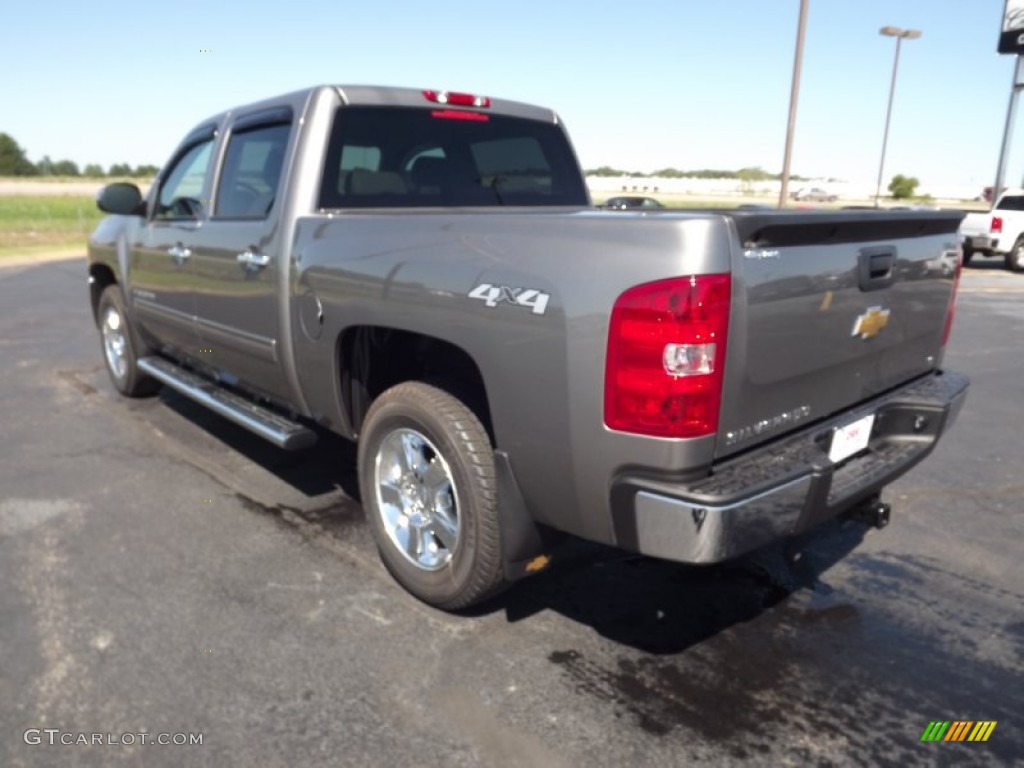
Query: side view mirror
pixel 120 197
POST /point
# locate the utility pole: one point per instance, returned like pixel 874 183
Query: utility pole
pixel 798 62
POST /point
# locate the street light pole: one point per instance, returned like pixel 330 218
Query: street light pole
pixel 899 34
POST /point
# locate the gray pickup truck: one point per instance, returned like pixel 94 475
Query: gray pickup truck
pixel 422 272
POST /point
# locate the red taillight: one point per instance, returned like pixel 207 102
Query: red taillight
pixel 951 307
pixel 457 99
pixel 454 114
pixel 666 357
pixel 997 223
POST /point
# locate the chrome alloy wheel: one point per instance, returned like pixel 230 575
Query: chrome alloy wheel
pixel 416 498
pixel 115 344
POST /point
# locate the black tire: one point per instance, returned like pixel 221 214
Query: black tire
pixel 456 447
pixel 1015 256
pixel 127 379
pixel 968 255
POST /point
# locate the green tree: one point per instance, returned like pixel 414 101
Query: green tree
pixel 93 171
pixel 902 186
pixel 120 169
pixel 710 173
pixel 607 171
pixel 145 171
pixel 748 175
pixel 12 158
pixel 45 166
pixel 65 168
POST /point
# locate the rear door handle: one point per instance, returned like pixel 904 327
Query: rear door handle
pixel 179 253
pixel 253 260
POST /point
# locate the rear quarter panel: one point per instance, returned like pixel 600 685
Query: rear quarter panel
pixel 544 373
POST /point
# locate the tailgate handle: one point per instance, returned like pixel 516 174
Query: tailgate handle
pixel 877 267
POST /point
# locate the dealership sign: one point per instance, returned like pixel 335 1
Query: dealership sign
pixel 1011 37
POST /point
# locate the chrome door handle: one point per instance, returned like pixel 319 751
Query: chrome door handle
pixel 253 259
pixel 179 253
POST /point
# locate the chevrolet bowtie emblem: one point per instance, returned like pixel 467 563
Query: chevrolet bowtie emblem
pixel 868 325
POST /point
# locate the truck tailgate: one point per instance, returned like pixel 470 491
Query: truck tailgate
pixel 831 309
pixel 976 224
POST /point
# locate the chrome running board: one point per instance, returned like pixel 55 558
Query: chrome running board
pixel 280 431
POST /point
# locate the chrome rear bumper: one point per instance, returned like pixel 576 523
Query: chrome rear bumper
pixel 788 486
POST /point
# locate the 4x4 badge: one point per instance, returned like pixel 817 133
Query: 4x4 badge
pixel 493 295
pixel 871 323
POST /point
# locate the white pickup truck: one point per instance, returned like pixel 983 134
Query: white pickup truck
pixel 999 232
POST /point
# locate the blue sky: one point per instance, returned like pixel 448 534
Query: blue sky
pixel 681 83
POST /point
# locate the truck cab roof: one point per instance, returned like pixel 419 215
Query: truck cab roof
pixel 377 95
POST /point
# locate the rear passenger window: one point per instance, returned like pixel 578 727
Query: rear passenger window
pixel 1011 203
pixel 412 157
pixel 252 172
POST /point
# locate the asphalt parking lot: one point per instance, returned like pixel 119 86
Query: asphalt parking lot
pixel 165 572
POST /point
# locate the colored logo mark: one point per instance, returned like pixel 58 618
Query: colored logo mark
pixel 958 730
pixel 871 323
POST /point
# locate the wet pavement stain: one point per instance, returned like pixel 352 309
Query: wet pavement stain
pixel 77 380
pixel 657 695
pixel 814 676
pixel 330 518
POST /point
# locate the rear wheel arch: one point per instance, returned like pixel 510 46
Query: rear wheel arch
pixel 372 359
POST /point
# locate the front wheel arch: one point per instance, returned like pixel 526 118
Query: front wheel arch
pixel 100 277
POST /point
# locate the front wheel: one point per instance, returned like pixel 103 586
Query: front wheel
pixel 122 347
pixel 429 487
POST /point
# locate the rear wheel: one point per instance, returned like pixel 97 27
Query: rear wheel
pixel 968 255
pixel 428 484
pixel 122 347
pixel 1015 256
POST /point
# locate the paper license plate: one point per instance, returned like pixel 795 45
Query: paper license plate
pixel 854 437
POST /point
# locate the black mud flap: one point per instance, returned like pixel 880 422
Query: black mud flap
pixel 525 545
